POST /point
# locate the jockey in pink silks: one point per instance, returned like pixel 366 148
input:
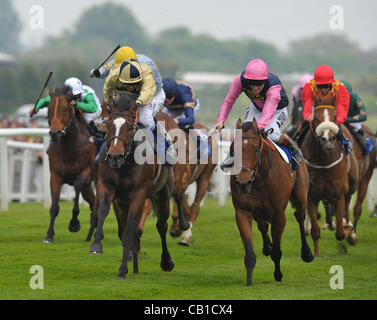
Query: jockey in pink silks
pixel 268 106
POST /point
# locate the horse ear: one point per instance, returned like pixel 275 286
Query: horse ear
pixel 111 104
pixel 255 123
pixel 50 92
pixel 69 93
pixel 238 124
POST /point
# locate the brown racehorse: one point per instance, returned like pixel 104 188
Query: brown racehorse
pixel 366 166
pixel 127 184
pixel 186 173
pixel 71 156
pixel 261 191
pixel 333 175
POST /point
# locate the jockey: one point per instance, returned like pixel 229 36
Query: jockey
pixel 297 107
pixel 357 114
pixel 85 99
pixel 134 77
pixel 181 102
pixel 125 53
pixel 325 90
pixel 268 106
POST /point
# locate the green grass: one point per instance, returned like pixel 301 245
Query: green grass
pixel 211 268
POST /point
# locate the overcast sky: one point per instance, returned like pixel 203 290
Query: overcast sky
pixel 276 22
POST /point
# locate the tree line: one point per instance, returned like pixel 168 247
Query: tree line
pixel 100 28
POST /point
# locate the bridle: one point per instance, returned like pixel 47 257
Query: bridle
pixel 68 125
pixel 132 126
pixel 258 150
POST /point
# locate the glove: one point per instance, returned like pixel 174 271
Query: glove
pixel 32 112
pixel 95 73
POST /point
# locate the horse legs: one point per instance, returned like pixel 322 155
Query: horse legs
pixel 267 245
pixel 56 183
pixel 174 229
pixel 277 228
pixel 88 195
pixel 74 224
pixel 101 210
pixel 182 222
pixel 161 203
pixel 244 222
pixel 315 230
pixel 130 233
pixel 340 233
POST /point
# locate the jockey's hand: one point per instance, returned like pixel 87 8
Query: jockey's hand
pixel 176 121
pixel 73 103
pixel 218 126
pixel 310 118
pixel 32 112
pixel 95 73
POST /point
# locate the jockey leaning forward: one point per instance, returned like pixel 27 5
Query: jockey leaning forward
pixel 84 98
pixel 125 53
pixel 181 102
pixel 134 77
pixel 325 90
pixel 268 106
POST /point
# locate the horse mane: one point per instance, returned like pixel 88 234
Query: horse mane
pixel 124 101
pixel 62 90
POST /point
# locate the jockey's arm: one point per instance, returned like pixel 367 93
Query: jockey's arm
pixel 342 105
pixel 89 104
pixel 362 111
pixel 105 70
pixel 43 103
pixel 148 89
pixel 307 101
pixel 189 117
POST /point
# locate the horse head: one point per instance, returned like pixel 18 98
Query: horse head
pixel 324 127
pixel 251 155
pixel 120 129
pixel 60 112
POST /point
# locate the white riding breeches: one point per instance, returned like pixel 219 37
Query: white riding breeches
pixel 356 125
pixel 93 116
pixel 158 100
pixel 146 116
pixel 276 123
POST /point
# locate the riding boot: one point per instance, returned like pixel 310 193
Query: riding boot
pixel 170 152
pixel 229 160
pixel 292 146
pixel 360 137
pixel 344 142
pixel 98 138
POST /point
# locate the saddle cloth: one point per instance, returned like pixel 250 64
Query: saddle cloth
pixel 284 152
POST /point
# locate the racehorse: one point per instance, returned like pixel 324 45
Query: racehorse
pixel 333 175
pixel 127 184
pixel 261 191
pixel 366 166
pixel 71 155
pixel 186 173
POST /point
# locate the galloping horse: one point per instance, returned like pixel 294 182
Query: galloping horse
pixel 333 176
pixel 71 155
pixel 127 184
pixel 261 191
pixel 185 174
pixel 366 166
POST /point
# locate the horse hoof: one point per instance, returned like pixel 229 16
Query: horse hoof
pixel 184 242
pixel 184 226
pixel 167 265
pixel 353 239
pixel 48 240
pixel 267 250
pixel 278 276
pixel 175 234
pixel 74 226
pixel 307 256
pixel 96 248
